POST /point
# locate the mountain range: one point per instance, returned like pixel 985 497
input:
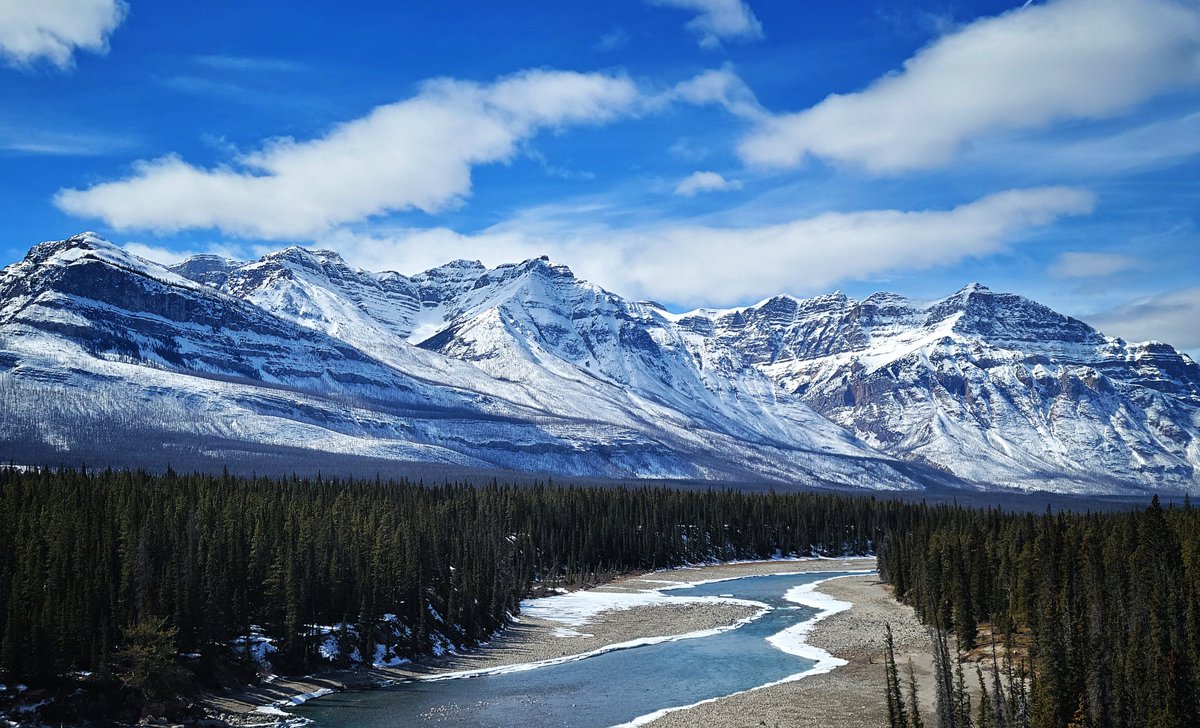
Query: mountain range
pixel 298 357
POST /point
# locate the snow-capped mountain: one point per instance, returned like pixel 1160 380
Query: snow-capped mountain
pixel 527 367
pixel 298 351
pixel 991 386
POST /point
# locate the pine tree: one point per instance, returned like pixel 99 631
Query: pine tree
pixel 897 715
pixel 150 668
pixel 914 707
pixel 985 717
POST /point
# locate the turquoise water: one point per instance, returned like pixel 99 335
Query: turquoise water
pixel 605 690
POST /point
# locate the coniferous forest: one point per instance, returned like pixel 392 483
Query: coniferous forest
pixel 127 572
pixel 86 557
pixel 1109 604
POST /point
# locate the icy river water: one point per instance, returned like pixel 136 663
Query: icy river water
pixel 612 688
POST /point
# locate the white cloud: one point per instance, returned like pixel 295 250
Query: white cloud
pixel 722 87
pixel 1169 317
pixel 1092 265
pixel 52 30
pixel 701 265
pixel 417 153
pixel 1026 68
pixel 718 20
pixel 705 182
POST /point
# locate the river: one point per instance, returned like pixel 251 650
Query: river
pixel 608 689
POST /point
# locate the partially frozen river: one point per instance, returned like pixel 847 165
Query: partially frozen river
pixel 612 688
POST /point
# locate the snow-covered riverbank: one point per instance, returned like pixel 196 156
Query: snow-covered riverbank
pixel 630 611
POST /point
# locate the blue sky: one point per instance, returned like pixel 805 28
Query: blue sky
pixel 697 152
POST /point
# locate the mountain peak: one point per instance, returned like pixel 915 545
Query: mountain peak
pixel 972 288
pixel 544 264
pixel 305 256
pixel 457 268
pixel 84 245
pixel 88 237
pixel 211 270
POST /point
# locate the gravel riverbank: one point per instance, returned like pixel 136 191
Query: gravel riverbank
pixel 853 635
pixel 851 696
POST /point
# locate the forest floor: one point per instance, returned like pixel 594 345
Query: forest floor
pixel 850 696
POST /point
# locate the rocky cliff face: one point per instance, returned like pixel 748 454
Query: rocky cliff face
pixel 525 366
pixel 991 386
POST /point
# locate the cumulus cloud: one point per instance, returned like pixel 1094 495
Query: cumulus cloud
pixel 1092 265
pixel 52 30
pixel 413 154
pixel 718 20
pixel 1169 317
pixel 693 264
pixel 1024 69
pixel 705 182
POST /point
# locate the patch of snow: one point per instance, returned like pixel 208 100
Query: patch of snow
pixel 576 609
pixel 386 658
pixel 329 648
pixel 32 707
pixel 260 646
pixel 305 697
pixel 271 710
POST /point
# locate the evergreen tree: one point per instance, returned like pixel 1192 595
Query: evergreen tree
pixel 897 715
pixel 914 706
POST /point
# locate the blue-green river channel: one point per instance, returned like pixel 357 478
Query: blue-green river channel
pixel 608 689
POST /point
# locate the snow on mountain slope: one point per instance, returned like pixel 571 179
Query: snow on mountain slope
pixel 991 386
pixel 525 366
pixel 533 334
pixel 309 353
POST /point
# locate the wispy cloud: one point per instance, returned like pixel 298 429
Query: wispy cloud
pixel 413 154
pixel 1170 317
pixel 1162 141
pixel 692 264
pixel 722 87
pixel 1024 69
pixel 247 63
pixel 560 171
pixel 613 40
pixel 52 30
pixel 208 86
pixel 1093 265
pixel 686 149
pixel 718 20
pixel 45 142
pixel 705 182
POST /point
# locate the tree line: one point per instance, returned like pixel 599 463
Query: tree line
pixel 88 559
pixel 1109 603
